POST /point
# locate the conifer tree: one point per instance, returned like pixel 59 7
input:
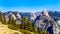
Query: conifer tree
pixel 29 24
pixel 34 28
pixel 23 22
pixel 13 22
pixel 4 20
pixel 1 16
pixel 10 21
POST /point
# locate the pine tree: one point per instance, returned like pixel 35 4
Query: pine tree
pixel 1 16
pixel 34 28
pixel 13 22
pixel 29 25
pixel 41 31
pixel 4 20
pixel 23 22
pixel 10 21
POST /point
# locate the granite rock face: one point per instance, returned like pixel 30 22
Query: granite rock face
pixel 45 22
pixel 16 16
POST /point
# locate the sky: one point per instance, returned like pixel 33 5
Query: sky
pixel 29 5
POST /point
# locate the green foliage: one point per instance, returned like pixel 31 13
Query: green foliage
pixel 1 17
pixel 25 31
pixel 12 27
pixel 16 33
pixel 13 22
pixel 10 21
pixel 4 21
pixel 41 31
pixel 28 25
pixel 34 28
pixel 23 22
pixel 36 32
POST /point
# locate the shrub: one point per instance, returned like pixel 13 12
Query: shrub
pixel 12 27
pixel 5 23
pixel 16 33
pixel 25 31
pixel 41 31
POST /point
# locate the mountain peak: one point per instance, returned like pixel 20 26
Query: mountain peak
pixel 45 12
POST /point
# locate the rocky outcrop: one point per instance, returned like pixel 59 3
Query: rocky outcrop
pixel 33 16
pixel 45 22
pixel 45 12
pixel 16 16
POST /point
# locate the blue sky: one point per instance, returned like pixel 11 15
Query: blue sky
pixel 29 5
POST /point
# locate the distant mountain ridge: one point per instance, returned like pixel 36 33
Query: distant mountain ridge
pixel 32 15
